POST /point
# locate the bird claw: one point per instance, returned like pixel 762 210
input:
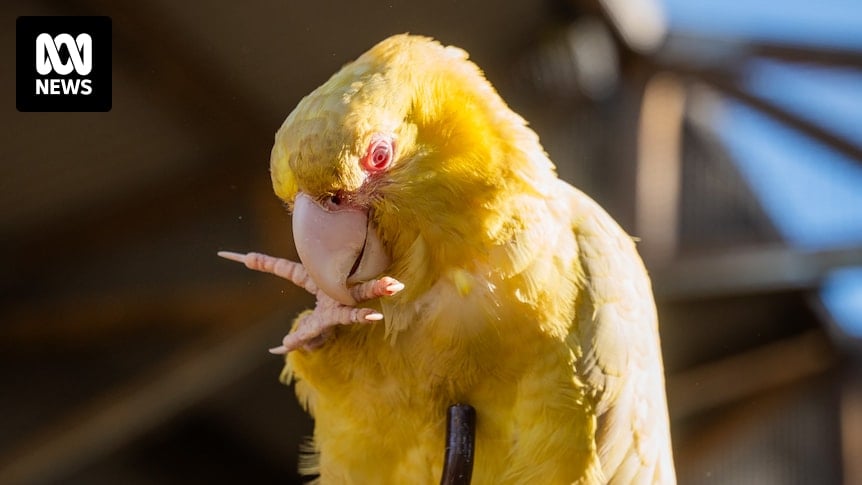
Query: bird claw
pixel 313 329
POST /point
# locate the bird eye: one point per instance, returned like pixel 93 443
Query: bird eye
pixel 379 154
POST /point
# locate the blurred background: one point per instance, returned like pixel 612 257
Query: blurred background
pixel 725 134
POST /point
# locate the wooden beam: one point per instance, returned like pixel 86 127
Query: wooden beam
pixel 752 270
pixel 722 431
pixel 851 425
pixel 164 206
pixel 741 376
pixel 84 319
pixel 809 128
pixel 726 82
pixel 83 436
pixel 659 168
pixel 689 48
pixel 147 44
pixel 640 26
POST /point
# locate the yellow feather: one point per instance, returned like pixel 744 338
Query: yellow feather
pixel 513 280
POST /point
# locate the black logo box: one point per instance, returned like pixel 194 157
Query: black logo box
pixel 28 28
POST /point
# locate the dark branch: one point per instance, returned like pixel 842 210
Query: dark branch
pixel 460 443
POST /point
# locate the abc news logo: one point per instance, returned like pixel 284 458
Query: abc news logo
pixel 48 60
pixel 64 63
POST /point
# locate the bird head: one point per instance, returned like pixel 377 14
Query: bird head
pixel 401 163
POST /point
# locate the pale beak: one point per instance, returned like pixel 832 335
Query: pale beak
pixel 339 248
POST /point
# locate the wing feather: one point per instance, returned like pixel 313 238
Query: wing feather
pixel 617 330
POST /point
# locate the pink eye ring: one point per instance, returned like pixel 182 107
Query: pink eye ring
pixel 379 156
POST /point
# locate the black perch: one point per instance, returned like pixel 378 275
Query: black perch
pixel 460 444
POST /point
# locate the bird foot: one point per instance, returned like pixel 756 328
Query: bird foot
pixel 314 328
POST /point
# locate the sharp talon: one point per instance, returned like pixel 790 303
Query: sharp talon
pixel 238 257
pixel 280 350
pixel 374 316
pixel 394 288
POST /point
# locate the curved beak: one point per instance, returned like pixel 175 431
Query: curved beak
pixel 338 248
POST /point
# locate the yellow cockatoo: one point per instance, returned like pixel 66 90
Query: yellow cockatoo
pixel 505 287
